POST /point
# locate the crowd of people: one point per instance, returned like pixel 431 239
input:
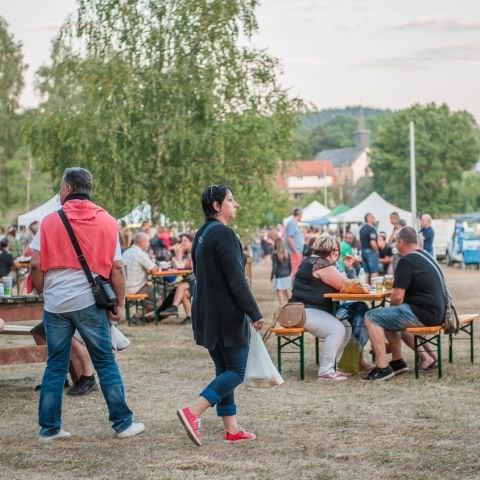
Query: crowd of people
pixel 307 264
pixel 215 295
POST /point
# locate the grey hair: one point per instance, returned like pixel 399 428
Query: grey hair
pixel 408 235
pixel 139 236
pixel 427 217
pixel 80 179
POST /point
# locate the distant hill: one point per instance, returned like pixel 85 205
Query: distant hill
pixel 311 120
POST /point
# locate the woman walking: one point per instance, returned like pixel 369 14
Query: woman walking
pixel 222 308
pixel 281 272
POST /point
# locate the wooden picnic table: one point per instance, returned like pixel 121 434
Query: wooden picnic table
pixel 377 298
pixel 20 309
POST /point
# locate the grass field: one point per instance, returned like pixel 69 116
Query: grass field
pixel 400 429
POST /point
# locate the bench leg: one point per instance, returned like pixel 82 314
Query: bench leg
pixel 450 348
pixel 439 355
pixel 472 345
pixel 317 351
pixel 302 358
pixel 127 312
pixel 415 350
pixel 279 354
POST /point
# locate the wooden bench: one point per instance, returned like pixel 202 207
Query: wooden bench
pixel 433 336
pixel 21 354
pixel 137 300
pixel 423 336
pixel 290 336
pixel 467 321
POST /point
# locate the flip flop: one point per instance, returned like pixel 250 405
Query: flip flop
pixel 432 366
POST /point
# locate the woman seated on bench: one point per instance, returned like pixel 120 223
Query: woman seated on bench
pixel 316 276
pixel 182 292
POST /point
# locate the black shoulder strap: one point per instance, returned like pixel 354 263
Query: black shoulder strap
pixel 76 247
pixel 438 270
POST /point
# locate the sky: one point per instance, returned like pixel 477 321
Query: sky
pixel 334 53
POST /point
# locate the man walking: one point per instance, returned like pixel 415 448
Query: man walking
pixel 69 303
pixel 427 233
pixel 294 240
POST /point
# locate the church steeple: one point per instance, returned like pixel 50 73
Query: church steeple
pixel 362 135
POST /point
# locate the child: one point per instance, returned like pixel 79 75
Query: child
pixel 281 272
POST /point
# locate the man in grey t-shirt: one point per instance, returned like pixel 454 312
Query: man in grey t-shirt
pixel 294 240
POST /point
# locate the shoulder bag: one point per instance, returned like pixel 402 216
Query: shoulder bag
pixel 103 293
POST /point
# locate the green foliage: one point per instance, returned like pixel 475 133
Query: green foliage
pixel 158 100
pixel 11 84
pixel 468 189
pixel 447 144
pixel 331 129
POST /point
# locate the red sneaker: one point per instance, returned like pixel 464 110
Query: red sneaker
pixel 240 436
pixel 191 424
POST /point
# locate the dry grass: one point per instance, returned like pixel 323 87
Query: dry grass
pixel 400 429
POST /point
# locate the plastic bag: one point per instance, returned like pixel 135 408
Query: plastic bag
pixel 260 370
pixel 119 340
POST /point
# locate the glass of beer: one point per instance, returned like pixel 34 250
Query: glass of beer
pixel 388 282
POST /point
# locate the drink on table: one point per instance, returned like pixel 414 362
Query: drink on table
pixel 388 282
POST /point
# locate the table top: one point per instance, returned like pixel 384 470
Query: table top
pixel 371 296
pixel 171 272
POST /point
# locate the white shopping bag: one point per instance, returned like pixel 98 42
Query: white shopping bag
pixel 260 370
pixel 119 340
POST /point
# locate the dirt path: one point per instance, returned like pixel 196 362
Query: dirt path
pixel 401 429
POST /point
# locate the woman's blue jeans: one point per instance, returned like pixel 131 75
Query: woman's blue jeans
pixel 93 325
pixel 230 363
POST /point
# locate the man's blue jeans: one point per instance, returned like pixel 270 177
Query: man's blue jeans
pixel 230 363
pixel 93 325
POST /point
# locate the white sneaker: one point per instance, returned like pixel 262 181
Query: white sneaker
pixel 60 435
pixel 134 429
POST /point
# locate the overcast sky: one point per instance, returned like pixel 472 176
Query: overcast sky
pixel 381 53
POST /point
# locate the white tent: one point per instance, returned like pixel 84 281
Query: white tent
pixel 138 214
pixel 311 211
pixel 377 205
pixel 38 213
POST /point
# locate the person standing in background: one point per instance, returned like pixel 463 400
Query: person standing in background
pixel 427 233
pixel 295 240
pixel 369 246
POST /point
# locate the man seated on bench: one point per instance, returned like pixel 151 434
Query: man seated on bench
pixel 417 300
pixel 138 266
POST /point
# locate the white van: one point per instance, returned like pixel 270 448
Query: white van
pixel 443 229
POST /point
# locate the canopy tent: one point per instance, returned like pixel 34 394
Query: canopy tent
pixel 377 205
pixel 311 211
pixel 138 214
pixel 342 208
pixel 38 213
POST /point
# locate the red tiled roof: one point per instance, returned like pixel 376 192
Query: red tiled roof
pixel 311 168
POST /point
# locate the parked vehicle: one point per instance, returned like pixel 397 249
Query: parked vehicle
pixel 464 246
pixel 443 229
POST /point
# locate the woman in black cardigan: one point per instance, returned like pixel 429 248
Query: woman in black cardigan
pixel 222 308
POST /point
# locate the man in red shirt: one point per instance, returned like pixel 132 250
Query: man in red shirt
pixel 69 303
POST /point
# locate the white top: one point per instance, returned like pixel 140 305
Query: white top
pixel 137 265
pixel 67 290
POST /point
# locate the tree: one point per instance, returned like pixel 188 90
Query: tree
pixel 11 84
pixel 447 144
pixel 159 99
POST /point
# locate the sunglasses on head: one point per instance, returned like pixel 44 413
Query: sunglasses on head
pixel 210 190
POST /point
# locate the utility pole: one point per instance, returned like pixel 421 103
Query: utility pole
pixel 413 182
